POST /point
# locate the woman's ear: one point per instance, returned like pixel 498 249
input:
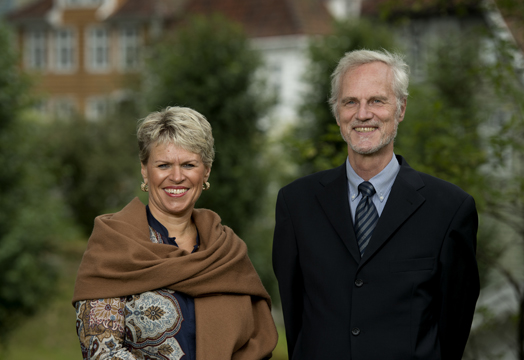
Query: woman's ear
pixel 207 173
pixel 143 170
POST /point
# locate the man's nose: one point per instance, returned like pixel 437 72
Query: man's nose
pixel 363 112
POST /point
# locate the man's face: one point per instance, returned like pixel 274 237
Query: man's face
pixel 367 109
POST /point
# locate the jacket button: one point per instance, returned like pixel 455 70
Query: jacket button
pixel 355 331
pixel 359 282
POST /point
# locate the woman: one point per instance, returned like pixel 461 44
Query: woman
pixel 166 280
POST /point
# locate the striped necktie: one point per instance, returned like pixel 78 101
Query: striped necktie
pixel 366 216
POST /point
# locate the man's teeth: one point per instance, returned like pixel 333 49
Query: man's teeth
pixel 365 129
pixel 175 191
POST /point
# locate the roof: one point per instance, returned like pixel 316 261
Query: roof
pixel 262 18
pixel 33 10
pixel 142 9
pixel 419 8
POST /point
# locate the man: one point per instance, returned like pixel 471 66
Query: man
pixel 375 261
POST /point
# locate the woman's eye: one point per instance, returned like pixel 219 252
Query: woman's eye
pixel 188 166
pixel 163 166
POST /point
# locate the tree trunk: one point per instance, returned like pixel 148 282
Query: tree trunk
pixel 520 329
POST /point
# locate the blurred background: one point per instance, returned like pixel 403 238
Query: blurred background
pixel 76 75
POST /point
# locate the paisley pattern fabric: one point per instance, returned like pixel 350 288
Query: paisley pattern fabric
pixel 155 236
pixel 137 327
pixel 140 326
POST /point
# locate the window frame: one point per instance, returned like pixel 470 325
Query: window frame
pixel 128 44
pixel 92 108
pixel 30 53
pixel 94 46
pixel 70 47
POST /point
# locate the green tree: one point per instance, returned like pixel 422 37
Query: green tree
pixel 208 65
pixel 32 219
pixel 315 143
pixel 505 194
pixel 506 206
pixel 95 162
pixel 440 134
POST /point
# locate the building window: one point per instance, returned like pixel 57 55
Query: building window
pixel 64 49
pixel 129 48
pixel 97 107
pixel 98 49
pixel 83 3
pixel 36 49
pixel 64 107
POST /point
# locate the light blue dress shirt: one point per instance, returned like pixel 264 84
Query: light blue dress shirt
pixel 382 182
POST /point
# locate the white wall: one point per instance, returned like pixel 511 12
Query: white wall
pixel 285 63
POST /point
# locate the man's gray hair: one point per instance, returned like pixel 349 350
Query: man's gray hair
pixel 356 58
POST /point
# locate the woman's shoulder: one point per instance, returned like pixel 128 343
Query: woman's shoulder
pixel 135 208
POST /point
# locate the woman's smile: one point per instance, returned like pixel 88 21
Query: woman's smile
pixel 175 177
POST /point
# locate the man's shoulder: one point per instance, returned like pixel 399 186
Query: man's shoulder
pixel 434 183
pixel 312 180
pixel 430 183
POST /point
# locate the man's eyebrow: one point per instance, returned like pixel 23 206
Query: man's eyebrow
pixel 379 97
pixel 346 98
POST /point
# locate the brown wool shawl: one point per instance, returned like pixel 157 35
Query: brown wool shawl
pixel 232 308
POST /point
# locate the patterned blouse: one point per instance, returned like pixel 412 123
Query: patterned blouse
pixel 157 324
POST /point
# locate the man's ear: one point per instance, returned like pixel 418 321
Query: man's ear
pixel 402 110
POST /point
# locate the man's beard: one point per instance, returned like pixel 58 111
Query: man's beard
pixel 383 141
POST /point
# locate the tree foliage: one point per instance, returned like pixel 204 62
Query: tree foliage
pixel 95 162
pixel 505 194
pixel 209 66
pixel 440 134
pixel 32 219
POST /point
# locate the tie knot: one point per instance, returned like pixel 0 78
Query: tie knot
pixel 366 188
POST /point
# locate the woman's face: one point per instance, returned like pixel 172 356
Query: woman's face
pixel 175 177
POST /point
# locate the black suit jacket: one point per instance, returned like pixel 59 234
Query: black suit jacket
pixel 413 293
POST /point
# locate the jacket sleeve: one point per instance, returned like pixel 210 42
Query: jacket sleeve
pixel 459 283
pixel 100 329
pixel 288 272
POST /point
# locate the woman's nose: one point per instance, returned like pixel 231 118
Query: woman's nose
pixel 176 174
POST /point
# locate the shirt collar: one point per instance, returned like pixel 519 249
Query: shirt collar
pixel 382 182
pixel 161 229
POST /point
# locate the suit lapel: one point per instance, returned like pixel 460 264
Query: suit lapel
pixel 403 201
pixel 333 198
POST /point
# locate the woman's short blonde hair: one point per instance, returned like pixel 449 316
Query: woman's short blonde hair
pixel 180 126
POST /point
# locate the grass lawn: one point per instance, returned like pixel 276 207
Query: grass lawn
pixel 50 335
